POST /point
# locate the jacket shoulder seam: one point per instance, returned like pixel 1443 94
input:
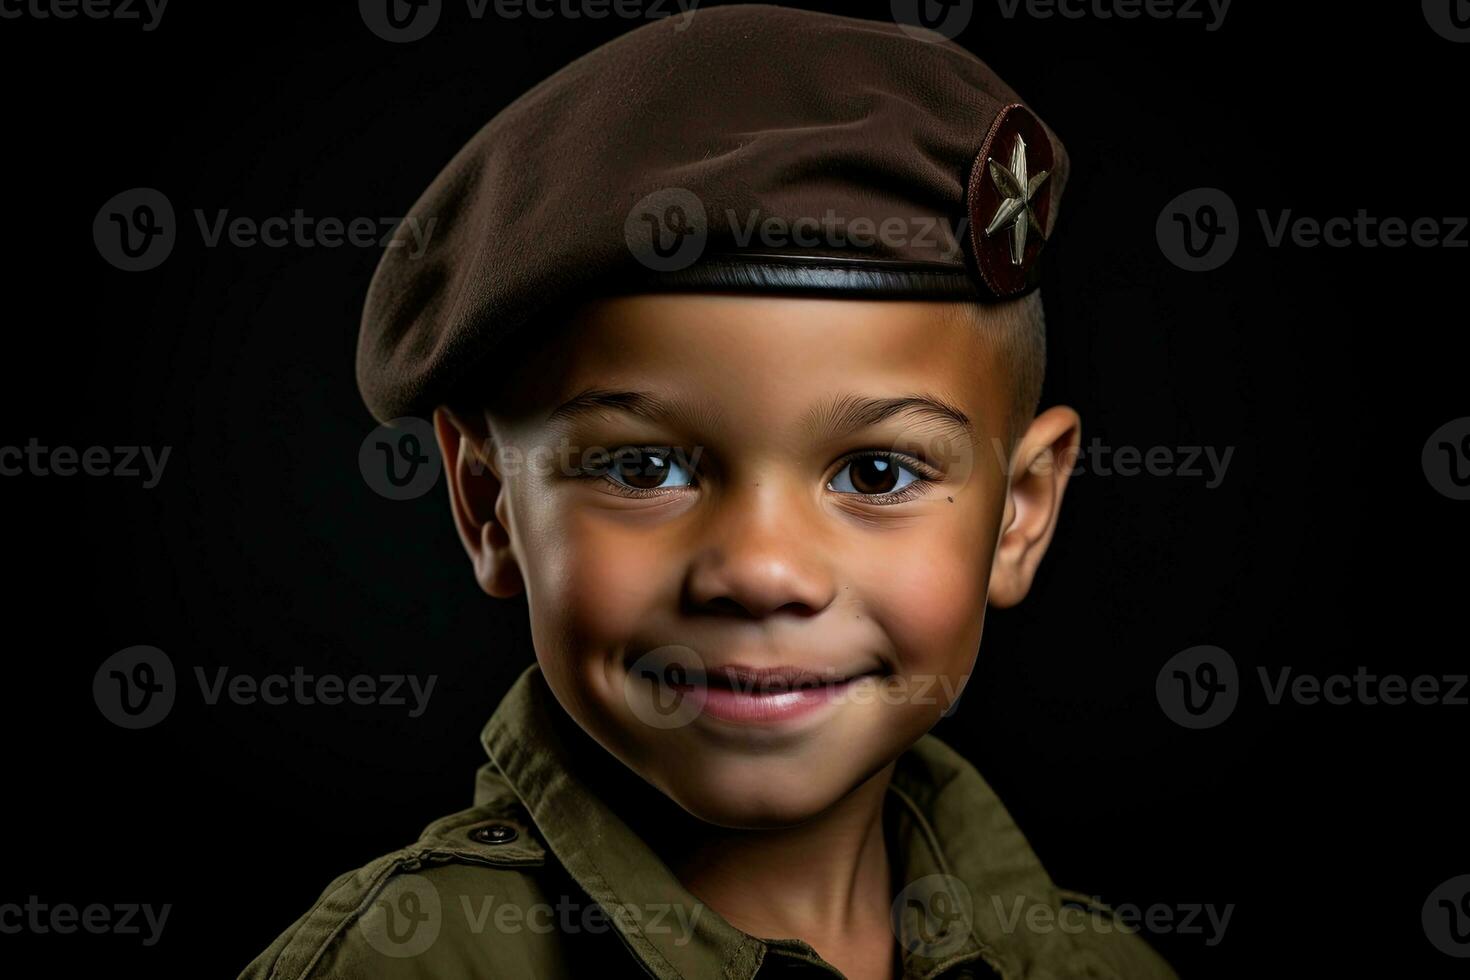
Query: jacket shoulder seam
pixel 336 911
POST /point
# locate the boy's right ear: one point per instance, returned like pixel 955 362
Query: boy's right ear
pixel 475 497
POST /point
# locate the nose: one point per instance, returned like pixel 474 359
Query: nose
pixel 759 557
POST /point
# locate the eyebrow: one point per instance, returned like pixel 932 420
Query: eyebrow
pixel 846 414
pixel 852 412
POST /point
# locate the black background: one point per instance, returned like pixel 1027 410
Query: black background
pixel 263 549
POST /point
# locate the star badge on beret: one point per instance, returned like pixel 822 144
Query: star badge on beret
pixel 1016 212
pixel 1010 201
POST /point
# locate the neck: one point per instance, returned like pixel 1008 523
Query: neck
pixel 825 881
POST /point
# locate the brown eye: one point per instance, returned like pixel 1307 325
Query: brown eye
pixel 643 469
pixel 872 475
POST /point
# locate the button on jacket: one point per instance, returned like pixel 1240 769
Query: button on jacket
pixel 542 879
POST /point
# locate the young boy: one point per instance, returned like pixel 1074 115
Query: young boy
pixel 733 347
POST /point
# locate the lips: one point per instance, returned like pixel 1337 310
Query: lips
pixel 738 693
pixel 768 681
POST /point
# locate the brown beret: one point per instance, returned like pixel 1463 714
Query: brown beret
pixel 736 149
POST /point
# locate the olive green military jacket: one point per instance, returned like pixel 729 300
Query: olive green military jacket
pixel 541 879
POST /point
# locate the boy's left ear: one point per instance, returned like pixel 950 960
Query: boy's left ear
pixel 1040 466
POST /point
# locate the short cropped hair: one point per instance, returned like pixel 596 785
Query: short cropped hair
pixel 1016 329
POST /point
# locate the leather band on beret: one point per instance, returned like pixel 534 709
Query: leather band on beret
pixel 808 275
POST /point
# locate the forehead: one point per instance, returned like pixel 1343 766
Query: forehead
pixel 771 359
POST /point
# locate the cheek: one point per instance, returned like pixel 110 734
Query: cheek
pixel 927 586
pixel 591 580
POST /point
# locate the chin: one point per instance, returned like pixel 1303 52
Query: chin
pixel 759 794
pixel 768 812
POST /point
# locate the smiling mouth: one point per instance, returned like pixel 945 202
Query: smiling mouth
pixel 764 695
pixel 767 681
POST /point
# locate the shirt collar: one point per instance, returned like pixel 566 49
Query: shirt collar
pixel 949 834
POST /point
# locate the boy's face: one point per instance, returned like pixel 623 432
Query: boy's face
pixel 757 534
